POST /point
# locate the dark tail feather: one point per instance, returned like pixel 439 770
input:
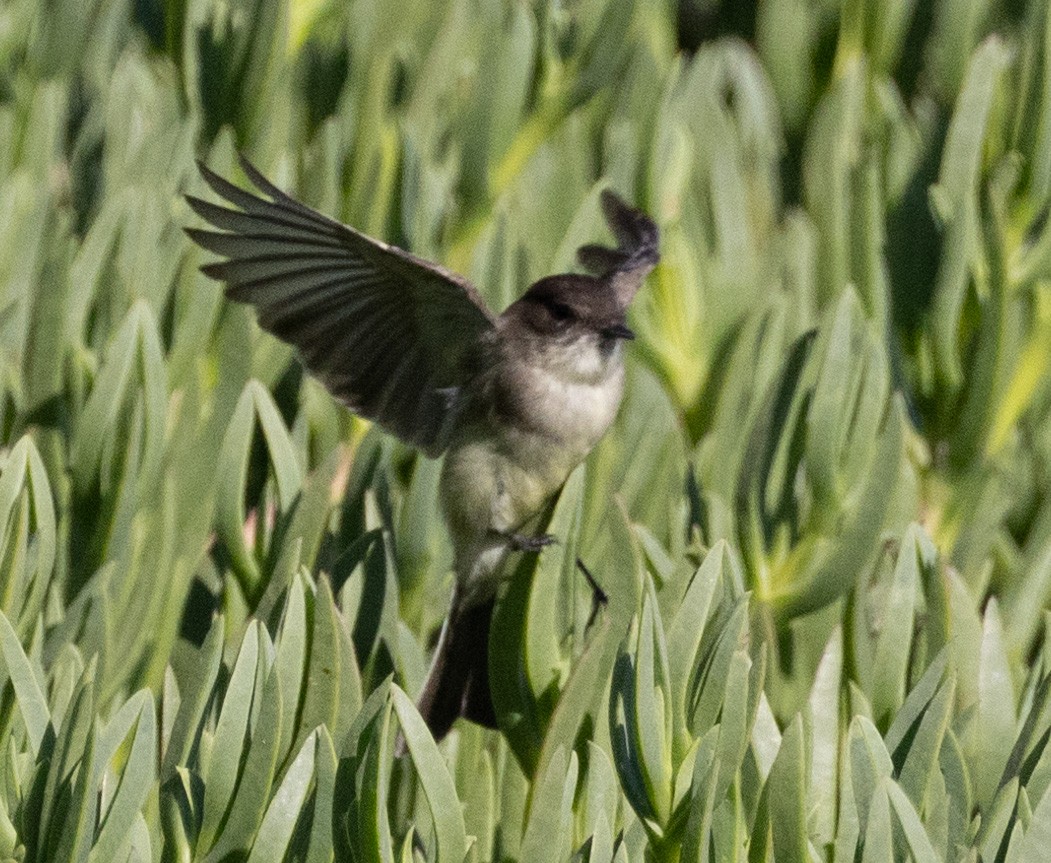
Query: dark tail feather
pixel 638 240
pixel 601 259
pixel 458 682
pixel 637 252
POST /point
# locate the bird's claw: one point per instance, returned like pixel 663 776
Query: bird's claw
pixel 599 597
pixel 520 542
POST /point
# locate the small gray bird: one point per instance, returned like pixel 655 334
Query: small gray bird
pixel 514 401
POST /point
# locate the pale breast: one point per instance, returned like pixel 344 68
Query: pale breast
pixel 539 421
pixel 573 414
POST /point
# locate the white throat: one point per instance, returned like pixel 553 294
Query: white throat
pixel 582 361
pixel 575 390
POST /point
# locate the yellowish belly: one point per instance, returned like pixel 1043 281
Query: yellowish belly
pixel 498 483
pixel 501 472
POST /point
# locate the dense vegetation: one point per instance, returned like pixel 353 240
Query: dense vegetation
pixel 823 516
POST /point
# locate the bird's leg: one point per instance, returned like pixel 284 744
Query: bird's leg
pixel 599 597
pixel 521 542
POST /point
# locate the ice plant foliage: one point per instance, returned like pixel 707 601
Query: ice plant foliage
pixel 822 518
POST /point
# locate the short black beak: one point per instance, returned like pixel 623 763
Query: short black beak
pixel 618 331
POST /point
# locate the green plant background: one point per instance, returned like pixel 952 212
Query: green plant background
pixel 823 516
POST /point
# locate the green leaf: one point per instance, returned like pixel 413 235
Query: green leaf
pixel 787 797
pixel 181 800
pixel 580 701
pixel 135 348
pixel 480 807
pixel 916 704
pixel 275 832
pixel 954 199
pixel 230 736
pixel 702 797
pixel 890 662
pixel 369 822
pixel 78 827
pixel 685 634
pixel 291 658
pixel 321 830
pixel 257 771
pixel 961 157
pixel 957 785
pixel 321 698
pixel 255 403
pixel 869 764
pixel 1037 838
pixel 135 782
pixel 525 661
pixel 28 694
pixel 879 837
pixel 711 682
pixel 422 549
pixel 549 830
pixel 766 737
pixel 651 725
pixel 830 414
pixel 626 756
pixel 915 835
pixel 997 819
pixel 600 843
pixel 140 848
pixel 834 562
pixel 994 726
pixel 603 790
pixel 544 664
pixel 824 706
pixel 197 693
pixel 69 752
pixel 25 468
pixel 1029 744
pixel 833 150
pixel 922 759
pixel 735 723
pixel 435 781
pixel 755 521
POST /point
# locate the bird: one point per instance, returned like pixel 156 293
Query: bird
pixel 514 402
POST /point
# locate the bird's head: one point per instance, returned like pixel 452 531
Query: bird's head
pixel 572 323
pixel 576 324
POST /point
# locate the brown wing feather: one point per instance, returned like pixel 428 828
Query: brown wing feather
pixel 391 335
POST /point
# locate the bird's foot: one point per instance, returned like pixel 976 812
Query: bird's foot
pixel 599 597
pixel 520 542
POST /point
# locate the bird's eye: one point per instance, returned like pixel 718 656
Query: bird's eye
pixel 560 311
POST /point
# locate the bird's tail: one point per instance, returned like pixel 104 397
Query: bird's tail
pixel 637 252
pixel 458 682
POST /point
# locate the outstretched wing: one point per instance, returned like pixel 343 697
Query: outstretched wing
pixel 389 334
